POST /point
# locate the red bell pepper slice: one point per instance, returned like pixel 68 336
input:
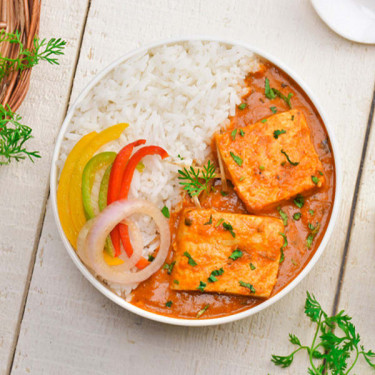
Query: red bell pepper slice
pixel 114 184
pixel 124 191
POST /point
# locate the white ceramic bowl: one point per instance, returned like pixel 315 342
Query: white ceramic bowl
pixel 198 322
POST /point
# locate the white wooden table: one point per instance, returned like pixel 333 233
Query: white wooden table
pixel 52 321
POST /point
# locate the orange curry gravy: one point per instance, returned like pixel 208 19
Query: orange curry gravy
pixel 154 293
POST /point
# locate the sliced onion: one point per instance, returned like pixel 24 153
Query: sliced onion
pixel 224 186
pixel 102 226
pixel 81 242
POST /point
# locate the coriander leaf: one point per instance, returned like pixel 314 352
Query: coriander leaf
pixel 264 120
pixel 219 222
pixel 176 282
pixel 242 106
pixel 268 92
pixel 180 157
pixel 242 133
pixel 218 272
pixel 224 193
pixel 284 245
pixel 191 261
pixel 248 286
pixel 311 212
pixel 283 215
pixel 13 136
pixel 236 254
pixel 169 304
pixel 299 201
pixel 191 179
pixel 165 212
pixel 150 257
pixel 312 307
pixel 315 180
pixel 262 168
pixel 283 97
pixel 294 339
pixel 287 158
pixel 229 228
pixel 201 286
pixel 209 222
pixel 276 133
pixel 201 312
pixel 169 267
pixel 236 158
pixel 212 279
pixel 273 109
pixel 297 216
pixel 252 267
pixel 233 134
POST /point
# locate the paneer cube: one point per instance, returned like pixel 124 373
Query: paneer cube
pixel 227 253
pixel 272 160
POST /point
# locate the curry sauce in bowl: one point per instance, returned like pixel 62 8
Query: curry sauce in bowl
pixel 252 217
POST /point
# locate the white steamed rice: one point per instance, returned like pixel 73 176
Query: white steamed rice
pixel 174 96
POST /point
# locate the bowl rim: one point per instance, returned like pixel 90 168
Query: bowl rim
pixel 211 321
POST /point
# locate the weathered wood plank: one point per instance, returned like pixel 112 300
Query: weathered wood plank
pixel 24 186
pixel 68 327
pixel 357 292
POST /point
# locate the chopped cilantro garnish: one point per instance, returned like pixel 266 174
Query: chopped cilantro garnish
pixel 229 228
pixel 276 133
pixel 169 304
pixel 236 254
pixel 321 173
pixel 311 212
pixel 242 178
pixel 218 272
pixel 223 193
pixel 315 180
pixel 283 97
pixel 191 261
pixel 201 286
pixel 236 158
pixel 311 236
pixel 262 168
pixel 242 106
pixel 233 134
pixel 264 120
pixel 209 222
pixel 299 201
pixel 165 212
pixel 273 109
pixel 248 286
pixel 293 262
pixel 297 216
pixel 201 312
pixel 242 133
pixel 180 157
pixel 268 92
pixel 219 222
pixel 212 279
pixel 252 267
pixel 176 282
pixel 287 158
pixel 150 257
pixel 169 267
pixel 283 215
pixel 285 244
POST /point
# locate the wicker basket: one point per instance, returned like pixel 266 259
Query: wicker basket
pixel 21 15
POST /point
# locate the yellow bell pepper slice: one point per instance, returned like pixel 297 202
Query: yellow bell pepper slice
pixel 112 261
pixel 75 192
pixel 64 186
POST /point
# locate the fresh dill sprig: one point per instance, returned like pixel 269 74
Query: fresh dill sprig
pixel 191 179
pixel 333 352
pixel 42 50
pixel 13 136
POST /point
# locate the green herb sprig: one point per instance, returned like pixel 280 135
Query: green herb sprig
pixel 191 179
pixel 329 353
pixel 13 136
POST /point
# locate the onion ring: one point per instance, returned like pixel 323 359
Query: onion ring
pixel 102 226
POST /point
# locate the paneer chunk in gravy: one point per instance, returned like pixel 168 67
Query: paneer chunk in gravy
pixel 244 250
pixel 272 160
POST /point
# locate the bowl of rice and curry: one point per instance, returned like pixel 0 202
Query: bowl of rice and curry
pixel 195 182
